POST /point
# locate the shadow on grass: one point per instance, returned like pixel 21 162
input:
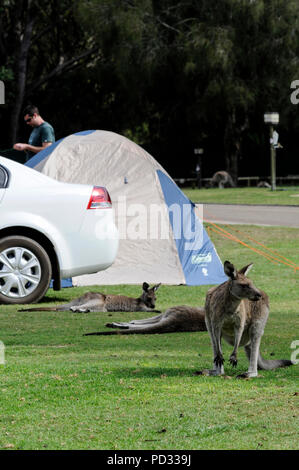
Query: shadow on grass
pixel 154 372
pixel 164 373
pixel 49 299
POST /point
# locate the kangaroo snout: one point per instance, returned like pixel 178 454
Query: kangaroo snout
pixel 256 296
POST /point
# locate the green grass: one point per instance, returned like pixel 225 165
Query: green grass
pixel 61 390
pixel 285 196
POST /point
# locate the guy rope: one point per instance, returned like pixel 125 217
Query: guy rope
pixel 272 255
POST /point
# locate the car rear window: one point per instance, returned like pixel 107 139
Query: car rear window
pixel 3 177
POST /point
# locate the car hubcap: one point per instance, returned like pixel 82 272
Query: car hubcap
pixel 20 272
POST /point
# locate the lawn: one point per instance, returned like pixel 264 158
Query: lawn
pixel 283 196
pixel 61 390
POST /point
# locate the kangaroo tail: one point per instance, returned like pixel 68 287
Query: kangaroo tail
pixel 269 364
pixel 127 329
pixel 130 331
pixel 105 333
pixel 39 309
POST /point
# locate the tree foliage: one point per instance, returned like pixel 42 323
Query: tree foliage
pixel 171 75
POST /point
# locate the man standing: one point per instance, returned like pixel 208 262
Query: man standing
pixel 42 135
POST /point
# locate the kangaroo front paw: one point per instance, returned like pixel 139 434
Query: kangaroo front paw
pixel 233 360
pixel 218 360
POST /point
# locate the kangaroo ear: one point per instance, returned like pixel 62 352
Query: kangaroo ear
pixel 156 287
pixel 230 270
pixel 145 286
pixel 246 269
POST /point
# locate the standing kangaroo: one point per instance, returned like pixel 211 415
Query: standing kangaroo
pixel 97 302
pixel 238 311
pixel 175 319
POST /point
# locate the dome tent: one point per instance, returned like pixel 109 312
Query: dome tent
pixel 146 201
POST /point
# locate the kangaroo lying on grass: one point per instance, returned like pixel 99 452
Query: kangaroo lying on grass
pixel 238 311
pixel 175 319
pixel 97 302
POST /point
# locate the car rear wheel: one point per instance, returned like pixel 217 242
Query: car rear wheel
pixel 25 270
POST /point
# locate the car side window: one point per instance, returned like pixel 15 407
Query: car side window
pixel 3 177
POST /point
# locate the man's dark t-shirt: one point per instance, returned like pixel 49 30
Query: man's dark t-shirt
pixel 39 135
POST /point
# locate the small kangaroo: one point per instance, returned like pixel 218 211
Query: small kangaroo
pixel 97 302
pixel 238 311
pixel 176 319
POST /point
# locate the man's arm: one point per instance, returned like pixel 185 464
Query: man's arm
pixel 31 148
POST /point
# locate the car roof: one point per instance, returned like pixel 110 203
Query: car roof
pixel 25 177
pixel 24 173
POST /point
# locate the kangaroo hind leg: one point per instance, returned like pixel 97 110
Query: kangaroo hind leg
pixel 145 321
pixel 215 334
pixel 93 305
pixel 252 353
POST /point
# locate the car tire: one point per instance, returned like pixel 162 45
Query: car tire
pixel 25 270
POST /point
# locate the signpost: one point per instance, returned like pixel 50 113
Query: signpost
pixel 272 119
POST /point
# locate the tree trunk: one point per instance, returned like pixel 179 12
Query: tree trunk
pixel 232 155
pixel 21 74
pixel 232 145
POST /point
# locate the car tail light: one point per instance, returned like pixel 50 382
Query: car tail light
pixel 99 199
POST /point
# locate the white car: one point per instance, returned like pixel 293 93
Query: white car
pixel 50 230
